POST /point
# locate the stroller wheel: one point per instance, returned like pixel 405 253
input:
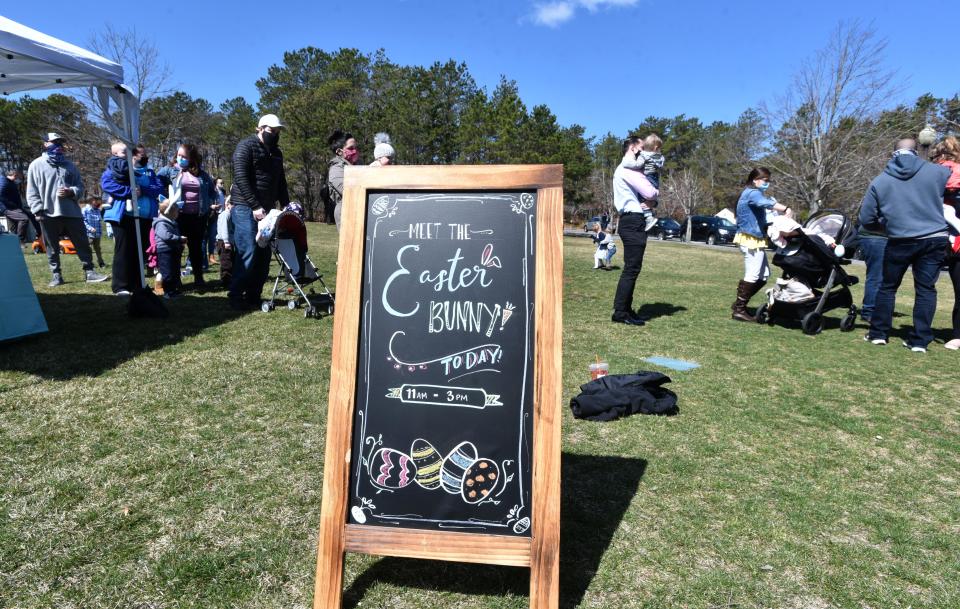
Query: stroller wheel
pixel 292 305
pixel 309 312
pixel 763 315
pixel 812 323
pixel 847 323
pixel 266 307
pixel 330 309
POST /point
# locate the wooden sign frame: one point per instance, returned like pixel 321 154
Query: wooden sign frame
pixel 541 551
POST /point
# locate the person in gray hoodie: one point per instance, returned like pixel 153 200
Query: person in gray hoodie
pixel 166 232
pixel 53 189
pixel 908 198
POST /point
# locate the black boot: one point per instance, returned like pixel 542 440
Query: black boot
pixel 744 291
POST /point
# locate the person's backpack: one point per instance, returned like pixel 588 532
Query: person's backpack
pixel 325 193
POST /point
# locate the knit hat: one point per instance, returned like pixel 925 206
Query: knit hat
pixel 382 147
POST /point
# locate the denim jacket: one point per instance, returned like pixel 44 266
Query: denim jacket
pixel 752 212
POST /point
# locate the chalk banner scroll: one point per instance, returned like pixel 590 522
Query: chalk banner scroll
pixel 443 434
pixel 443 431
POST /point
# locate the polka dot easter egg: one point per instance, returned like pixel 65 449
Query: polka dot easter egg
pixel 479 481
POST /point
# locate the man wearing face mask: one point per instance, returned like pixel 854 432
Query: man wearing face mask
pixel 909 196
pixel 53 189
pixel 11 205
pixel 259 183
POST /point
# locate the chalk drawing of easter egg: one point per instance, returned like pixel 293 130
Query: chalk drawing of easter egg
pixel 358 514
pixel 455 464
pixel 522 525
pixel 392 469
pixel 428 462
pixel 479 481
pixel 380 205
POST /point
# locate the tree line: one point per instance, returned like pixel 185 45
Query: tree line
pixel 825 137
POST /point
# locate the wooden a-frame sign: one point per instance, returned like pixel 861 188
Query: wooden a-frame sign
pixel 500 226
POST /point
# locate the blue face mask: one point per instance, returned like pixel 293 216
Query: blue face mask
pixel 763 186
pixel 183 163
pixel 55 153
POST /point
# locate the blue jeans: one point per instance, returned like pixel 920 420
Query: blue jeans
pixel 251 263
pixel 168 265
pixel 210 239
pixel 926 256
pixel 872 249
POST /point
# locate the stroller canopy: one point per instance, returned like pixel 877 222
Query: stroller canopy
pixel 290 226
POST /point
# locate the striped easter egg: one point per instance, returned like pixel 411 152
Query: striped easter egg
pixel 428 462
pixel 391 468
pixel 455 464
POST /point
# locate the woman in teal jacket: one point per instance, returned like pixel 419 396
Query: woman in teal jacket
pixel 193 191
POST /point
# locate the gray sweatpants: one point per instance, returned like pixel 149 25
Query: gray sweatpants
pixel 53 227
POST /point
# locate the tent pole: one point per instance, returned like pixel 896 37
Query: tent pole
pixel 134 203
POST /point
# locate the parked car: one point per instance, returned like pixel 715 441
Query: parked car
pixel 665 228
pixel 593 222
pixel 711 229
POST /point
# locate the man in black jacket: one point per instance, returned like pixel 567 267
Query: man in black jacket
pixel 259 182
pixel 11 205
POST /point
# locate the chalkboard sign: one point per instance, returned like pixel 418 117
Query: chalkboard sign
pixel 443 433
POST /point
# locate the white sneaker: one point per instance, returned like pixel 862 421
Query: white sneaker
pixel 953 345
pixel 651 222
pixel 874 341
pixel 915 348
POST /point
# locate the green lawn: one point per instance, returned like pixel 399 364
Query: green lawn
pixel 178 463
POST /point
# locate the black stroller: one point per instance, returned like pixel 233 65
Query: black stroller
pixel 814 280
pixel 289 246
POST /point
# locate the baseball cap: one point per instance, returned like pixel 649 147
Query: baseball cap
pixel 52 137
pixel 269 120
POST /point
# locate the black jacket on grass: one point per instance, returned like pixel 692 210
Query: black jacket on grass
pixel 619 395
pixel 258 177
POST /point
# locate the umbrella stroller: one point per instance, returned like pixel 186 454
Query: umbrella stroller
pixel 813 280
pixel 289 246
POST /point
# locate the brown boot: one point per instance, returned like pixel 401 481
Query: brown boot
pixel 756 286
pixel 744 292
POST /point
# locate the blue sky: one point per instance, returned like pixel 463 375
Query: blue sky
pixel 605 64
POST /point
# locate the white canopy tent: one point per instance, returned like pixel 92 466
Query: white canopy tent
pixel 32 61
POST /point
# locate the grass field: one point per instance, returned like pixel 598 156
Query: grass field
pixel 178 463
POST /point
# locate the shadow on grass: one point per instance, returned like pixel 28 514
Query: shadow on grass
pixel 652 310
pixel 596 492
pixel 90 334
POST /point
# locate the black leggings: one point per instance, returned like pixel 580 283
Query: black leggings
pixel 953 264
pixel 191 227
